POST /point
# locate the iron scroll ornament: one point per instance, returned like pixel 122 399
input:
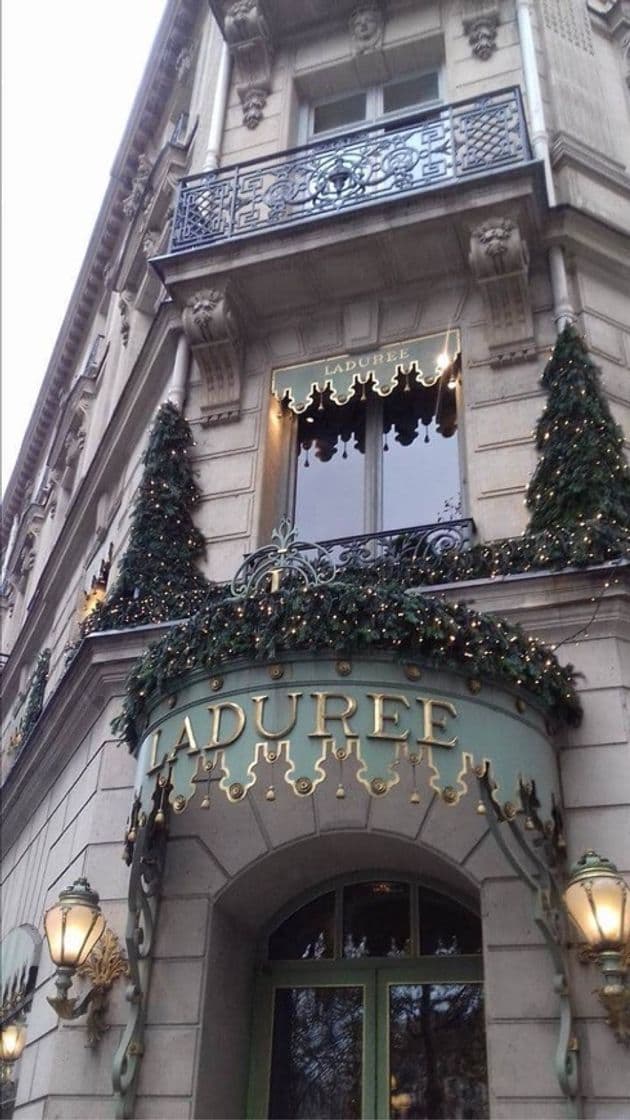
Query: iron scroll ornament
pixel 264 570
pixel 145 849
pixel 539 871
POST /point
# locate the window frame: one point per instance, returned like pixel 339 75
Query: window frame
pixel 373 490
pixel 374 112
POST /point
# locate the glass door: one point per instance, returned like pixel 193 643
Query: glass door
pixel 431 1062
pixel 315 1045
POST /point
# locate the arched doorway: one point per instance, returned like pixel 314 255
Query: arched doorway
pixel 369 1003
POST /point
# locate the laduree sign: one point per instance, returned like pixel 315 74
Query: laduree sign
pixel 422 359
pixel 304 720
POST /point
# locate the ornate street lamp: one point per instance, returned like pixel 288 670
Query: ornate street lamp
pixel 79 940
pixel 12 1041
pixel 597 900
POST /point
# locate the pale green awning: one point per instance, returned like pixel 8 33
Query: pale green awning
pixel 422 360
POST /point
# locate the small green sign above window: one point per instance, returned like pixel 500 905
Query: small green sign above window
pixel 422 360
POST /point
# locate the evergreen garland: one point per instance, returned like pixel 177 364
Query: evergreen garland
pixel 35 695
pixel 158 577
pixel 582 475
pixel 351 615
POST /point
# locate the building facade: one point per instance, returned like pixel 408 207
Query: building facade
pixel 341 240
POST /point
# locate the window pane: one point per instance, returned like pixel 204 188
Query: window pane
pixel 437 1051
pixel 446 927
pixel 317 1055
pixel 421 480
pixel 335 114
pixel 330 482
pixel 376 920
pixel 410 91
pixel 309 933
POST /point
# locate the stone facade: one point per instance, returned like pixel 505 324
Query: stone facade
pixel 208 326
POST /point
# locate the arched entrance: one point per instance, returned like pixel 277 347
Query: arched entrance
pixel 369 1003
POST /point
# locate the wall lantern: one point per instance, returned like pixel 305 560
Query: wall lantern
pixel 597 899
pixel 79 941
pixel 12 1041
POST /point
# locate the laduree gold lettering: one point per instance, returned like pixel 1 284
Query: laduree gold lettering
pixel 381 717
pixel 433 721
pixel 186 739
pixel 259 715
pixel 154 764
pixel 322 715
pixel 216 713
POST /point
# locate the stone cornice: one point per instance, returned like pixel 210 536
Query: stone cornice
pixel 129 419
pixel 155 87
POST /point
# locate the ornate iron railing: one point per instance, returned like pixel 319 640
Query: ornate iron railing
pixel 371 165
pixel 401 546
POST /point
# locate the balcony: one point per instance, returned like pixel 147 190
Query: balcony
pixel 368 167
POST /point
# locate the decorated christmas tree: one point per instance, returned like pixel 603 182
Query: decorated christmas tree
pixel 158 578
pixel 582 475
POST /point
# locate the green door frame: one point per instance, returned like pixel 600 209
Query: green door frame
pixel 374 975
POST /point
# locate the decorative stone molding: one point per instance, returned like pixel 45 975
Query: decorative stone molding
pixel 367 26
pixel 183 63
pixel 480 21
pixel 617 17
pixel 570 21
pixel 499 261
pixel 248 37
pixel 212 329
pixel 139 183
pixel 124 303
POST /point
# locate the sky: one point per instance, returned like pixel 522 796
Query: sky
pixel 70 71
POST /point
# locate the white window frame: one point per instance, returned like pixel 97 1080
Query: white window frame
pixel 374 114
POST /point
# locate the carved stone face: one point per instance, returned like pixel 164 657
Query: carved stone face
pixel 495 237
pixel 366 23
pixel 483 38
pixel 202 304
pixel 254 102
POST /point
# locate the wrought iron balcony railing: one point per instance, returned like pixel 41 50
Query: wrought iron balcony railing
pixel 398 547
pixel 442 146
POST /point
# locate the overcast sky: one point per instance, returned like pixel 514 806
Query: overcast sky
pixel 70 71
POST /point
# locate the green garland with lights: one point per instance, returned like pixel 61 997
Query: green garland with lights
pixel 34 701
pixel 158 578
pixel 582 475
pixel 350 615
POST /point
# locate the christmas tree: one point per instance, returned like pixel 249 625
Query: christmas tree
pixel 582 475
pixel 158 578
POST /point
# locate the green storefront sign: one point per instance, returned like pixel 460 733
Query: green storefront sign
pixel 307 719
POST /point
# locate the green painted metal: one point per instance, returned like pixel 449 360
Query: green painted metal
pixel 423 359
pixel 435 724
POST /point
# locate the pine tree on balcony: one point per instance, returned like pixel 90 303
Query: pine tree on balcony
pixel 582 477
pixel 158 578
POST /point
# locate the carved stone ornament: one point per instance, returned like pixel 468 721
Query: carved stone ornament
pixel 248 37
pixel 211 326
pixel 183 63
pixel 499 261
pixel 124 302
pixel 131 204
pixel 367 26
pixel 480 19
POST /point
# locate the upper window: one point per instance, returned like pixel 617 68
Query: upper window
pixel 377 463
pixel 350 110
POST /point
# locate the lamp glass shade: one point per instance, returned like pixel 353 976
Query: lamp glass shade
pixel 74 925
pixel 12 1041
pixel 598 902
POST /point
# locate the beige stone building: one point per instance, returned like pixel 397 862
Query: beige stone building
pixel 342 238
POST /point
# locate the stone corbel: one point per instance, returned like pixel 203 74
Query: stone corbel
pixel 499 261
pixel 480 20
pixel 211 325
pixel 248 37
